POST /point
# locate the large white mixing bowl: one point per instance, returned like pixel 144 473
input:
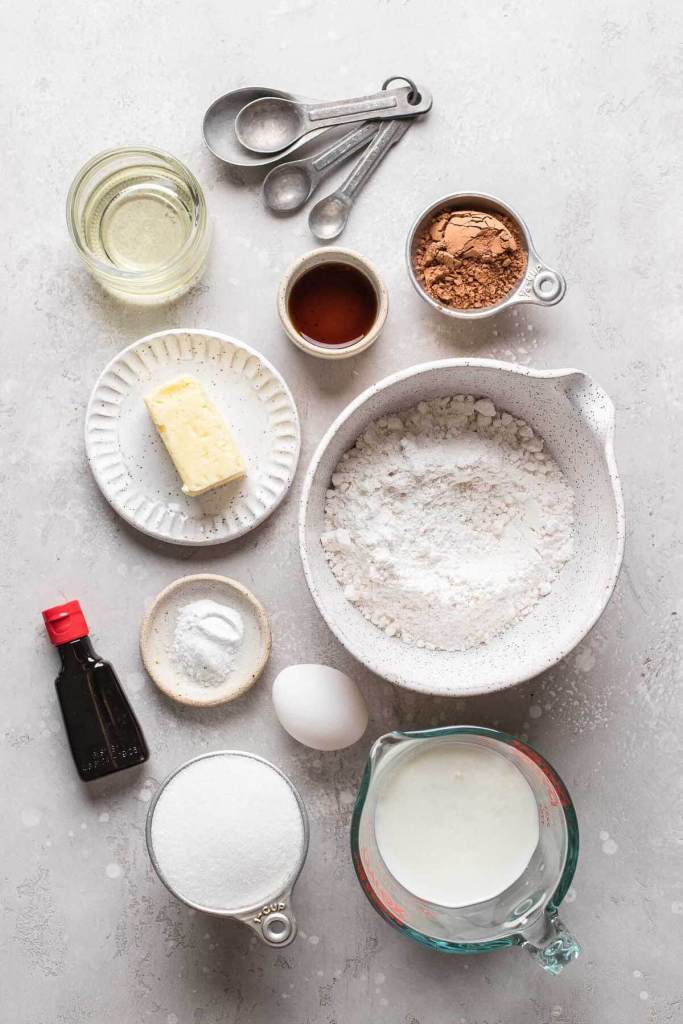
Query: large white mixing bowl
pixel 576 419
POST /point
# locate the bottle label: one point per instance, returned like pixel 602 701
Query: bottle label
pixel 103 759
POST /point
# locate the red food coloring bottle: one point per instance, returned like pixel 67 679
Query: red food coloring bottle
pixel 104 734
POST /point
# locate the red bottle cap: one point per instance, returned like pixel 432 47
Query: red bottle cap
pixel 65 622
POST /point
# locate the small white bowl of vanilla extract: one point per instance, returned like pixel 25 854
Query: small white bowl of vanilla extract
pixel 332 303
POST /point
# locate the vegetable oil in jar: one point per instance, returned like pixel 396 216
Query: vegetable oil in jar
pixel 138 218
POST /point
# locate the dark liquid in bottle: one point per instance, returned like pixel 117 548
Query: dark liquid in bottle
pixel 333 304
pixel 104 734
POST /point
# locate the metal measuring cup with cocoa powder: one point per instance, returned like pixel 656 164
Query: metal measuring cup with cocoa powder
pixel 470 256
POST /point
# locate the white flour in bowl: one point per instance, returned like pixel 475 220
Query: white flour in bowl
pixel 447 522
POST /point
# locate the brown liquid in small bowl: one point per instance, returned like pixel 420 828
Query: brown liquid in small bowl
pixel 333 304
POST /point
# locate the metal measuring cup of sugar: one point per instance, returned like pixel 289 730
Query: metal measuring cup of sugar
pixel 539 285
pixel 272 917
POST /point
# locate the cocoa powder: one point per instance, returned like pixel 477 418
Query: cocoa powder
pixel 470 259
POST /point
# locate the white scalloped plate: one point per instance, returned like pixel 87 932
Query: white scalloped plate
pixel 133 469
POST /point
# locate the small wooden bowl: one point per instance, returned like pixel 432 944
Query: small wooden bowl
pixel 156 639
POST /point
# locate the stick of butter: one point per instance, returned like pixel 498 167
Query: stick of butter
pixel 195 435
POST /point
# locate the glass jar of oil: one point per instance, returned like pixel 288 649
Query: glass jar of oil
pixel 138 219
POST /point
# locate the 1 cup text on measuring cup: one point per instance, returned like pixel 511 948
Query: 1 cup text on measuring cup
pixel 271 908
pixel 529 279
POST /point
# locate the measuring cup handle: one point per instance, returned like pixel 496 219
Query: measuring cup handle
pixel 275 924
pixel 542 285
pixel 279 927
pixel 549 942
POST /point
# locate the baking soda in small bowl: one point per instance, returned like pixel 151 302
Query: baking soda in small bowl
pixel 227 833
pixel 206 641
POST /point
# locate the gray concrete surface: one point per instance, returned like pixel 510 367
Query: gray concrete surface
pixel 571 112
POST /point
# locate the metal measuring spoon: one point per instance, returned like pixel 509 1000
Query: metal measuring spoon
pixel 288 186
pixel 219 128
pixel 328 217
pixel 270 124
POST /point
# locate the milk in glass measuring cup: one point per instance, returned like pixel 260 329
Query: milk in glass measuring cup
pixel 227 834
pixel 466 839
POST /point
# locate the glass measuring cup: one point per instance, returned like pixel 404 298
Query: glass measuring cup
pixel 525 914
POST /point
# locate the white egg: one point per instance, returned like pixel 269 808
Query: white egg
pixel 319 706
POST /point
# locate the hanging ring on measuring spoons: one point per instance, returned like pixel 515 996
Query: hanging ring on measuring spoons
pixel 414 96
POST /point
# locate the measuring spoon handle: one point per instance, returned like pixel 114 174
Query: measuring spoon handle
pixel 387 136
pixel 343 147
pixel 388 103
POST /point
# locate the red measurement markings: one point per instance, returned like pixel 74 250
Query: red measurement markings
pixel 557 794
pixel 376 892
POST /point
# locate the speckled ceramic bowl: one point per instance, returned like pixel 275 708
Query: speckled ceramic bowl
pixel 576 419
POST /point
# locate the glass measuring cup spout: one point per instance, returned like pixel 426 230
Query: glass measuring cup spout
pixel 523 914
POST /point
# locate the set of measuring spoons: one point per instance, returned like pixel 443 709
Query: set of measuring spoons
pixel 258 127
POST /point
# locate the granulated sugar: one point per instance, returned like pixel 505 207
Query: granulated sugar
pixel 227 832
pixel 447 522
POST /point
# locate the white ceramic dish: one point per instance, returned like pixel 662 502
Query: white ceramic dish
pixel 576 419
pixel 156 639
pixel 133 469
pixel 332 254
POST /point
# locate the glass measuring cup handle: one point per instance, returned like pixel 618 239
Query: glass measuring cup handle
pixel 549 942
